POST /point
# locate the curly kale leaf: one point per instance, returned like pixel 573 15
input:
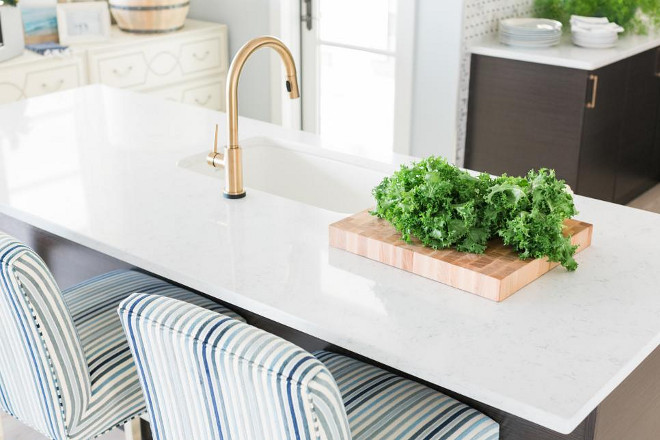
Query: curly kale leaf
pixel 533 210
pixel 446 207
pixel 437 203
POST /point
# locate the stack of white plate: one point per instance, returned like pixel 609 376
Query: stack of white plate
pixel 530 32
pixel 594 32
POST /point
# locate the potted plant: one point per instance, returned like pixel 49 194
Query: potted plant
pixel 11 26
pixel 634 15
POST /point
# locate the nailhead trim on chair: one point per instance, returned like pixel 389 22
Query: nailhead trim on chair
pixel 62 385
pixel 224 363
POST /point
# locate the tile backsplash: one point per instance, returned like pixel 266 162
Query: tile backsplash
pixel 480 20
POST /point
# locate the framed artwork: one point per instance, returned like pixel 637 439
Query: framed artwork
pixel 83 22
pixel 39 21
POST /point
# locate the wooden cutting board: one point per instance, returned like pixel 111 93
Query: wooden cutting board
pixel 495 274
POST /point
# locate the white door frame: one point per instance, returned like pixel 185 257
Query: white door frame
pixel 403 75
pixel 285 22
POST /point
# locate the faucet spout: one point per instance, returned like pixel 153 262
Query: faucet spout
pixel 235 72
pixel 232 159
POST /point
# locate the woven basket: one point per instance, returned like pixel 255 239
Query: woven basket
pixel 149 16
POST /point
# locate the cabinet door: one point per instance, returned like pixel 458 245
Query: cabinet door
pixel 635 165
pixel 657 118
pixel 524 115
pixel 603 115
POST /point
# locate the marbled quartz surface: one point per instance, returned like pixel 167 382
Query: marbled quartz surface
pixel 567 54
pixel 98 166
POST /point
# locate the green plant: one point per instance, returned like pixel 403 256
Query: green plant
pixel 444 207
pixel 624 12
pixel 8 2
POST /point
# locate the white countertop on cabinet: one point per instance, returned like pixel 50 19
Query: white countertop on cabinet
pixel 98 166
pixel 567 54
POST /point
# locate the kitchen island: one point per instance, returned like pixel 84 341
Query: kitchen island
pixel 102 168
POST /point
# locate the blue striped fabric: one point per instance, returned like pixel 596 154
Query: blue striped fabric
pixel 206 376
pixel 235 381
pixel 383 405
pixel 65 366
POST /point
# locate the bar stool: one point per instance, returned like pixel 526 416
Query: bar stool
pixel 65 365
pixel 207 376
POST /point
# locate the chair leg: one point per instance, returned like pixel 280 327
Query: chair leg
pixel 132 429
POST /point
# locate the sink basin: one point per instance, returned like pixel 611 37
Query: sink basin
pixel 314 176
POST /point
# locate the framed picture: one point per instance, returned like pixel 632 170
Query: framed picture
pixel 39 21
pixel 83 22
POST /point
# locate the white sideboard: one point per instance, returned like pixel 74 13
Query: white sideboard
pixel 187 66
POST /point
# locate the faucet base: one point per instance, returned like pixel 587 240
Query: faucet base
pixel 234 196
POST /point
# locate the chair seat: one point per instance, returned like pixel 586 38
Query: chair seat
pixel 383 405
pixel 93 307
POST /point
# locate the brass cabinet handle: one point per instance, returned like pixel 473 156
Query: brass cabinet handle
pixel 594 91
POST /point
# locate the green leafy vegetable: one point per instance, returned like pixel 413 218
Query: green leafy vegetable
pixel 445 207
pixel 628 13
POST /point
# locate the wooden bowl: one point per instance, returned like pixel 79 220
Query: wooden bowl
pixel 149 16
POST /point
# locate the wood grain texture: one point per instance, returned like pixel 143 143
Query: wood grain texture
pixel 635 172
pixel 524 115
pixel 601 133
pixel 632 410
pixel 495 274
pixel 169 15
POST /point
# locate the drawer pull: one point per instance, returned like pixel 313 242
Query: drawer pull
pixel 657 62
pixel 124 73
pixel 58 85
pixel 201 57
pixel 594 91
pixel 204 102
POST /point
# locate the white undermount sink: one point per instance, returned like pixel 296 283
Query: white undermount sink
pixel 314 176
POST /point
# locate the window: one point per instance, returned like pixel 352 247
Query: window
pixel 352 69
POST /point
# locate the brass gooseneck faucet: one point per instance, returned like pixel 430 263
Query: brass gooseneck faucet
pixel 232 159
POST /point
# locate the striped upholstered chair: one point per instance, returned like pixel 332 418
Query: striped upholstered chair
pixel 65 365
pixel 206 376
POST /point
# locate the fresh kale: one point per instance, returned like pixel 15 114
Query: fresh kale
pixel 445 207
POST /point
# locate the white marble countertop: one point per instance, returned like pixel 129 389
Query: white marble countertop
pixel 98 166
pixel 567 54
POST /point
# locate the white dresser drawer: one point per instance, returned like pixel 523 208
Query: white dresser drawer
pixel 54 80
pixel 202 55
pixel 187 66
pixel 159 62
pixel 33 75
pixel 209 96
pixel 207 92
pixel 128 70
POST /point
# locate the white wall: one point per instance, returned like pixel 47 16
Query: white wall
pixel 440 66
pixel 246 19
pixel 438 44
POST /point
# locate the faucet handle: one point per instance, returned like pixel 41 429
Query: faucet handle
pixel 215 139
pixel 214 158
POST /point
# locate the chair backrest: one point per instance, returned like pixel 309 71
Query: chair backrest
pixel 44 380
pixel 207 376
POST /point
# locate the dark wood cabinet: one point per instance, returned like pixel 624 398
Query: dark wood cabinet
pixel 656 147
pixel 597 129
pixel 599 144
pixel 636 170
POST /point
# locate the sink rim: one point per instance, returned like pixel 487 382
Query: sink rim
pixel 354 162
